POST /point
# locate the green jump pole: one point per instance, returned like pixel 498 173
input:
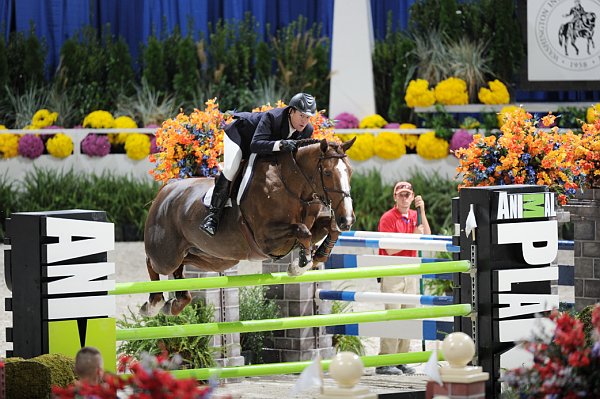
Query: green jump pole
pixel 282 278
pixel 298 367
pixel 133 334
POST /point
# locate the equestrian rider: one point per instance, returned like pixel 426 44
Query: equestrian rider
pixel 260 133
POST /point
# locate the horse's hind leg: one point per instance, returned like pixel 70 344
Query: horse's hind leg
pixel 155 300
pixel 182 298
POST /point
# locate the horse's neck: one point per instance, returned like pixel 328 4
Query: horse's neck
pixel 302 186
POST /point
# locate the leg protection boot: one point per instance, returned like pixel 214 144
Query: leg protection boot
pixel 210 224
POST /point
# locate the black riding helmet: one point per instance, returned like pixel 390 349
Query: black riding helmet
pixel 304 103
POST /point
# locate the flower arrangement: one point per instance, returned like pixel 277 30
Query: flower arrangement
pixel 418 94
pixel 523 154
pixel 430 146
pixel 588 153
pixel 31 146
pixel 190 145
pixel 9 145
pixel 43 118
pixel 506 111
pixel 60 146
pixel 95 145
pixel 137 146
pixel 389 145
pixel 363 147
pixel 452 91
pixel 149 379
pixel 566 364
pixel 346 120
pixel 460 139
pixel 410 140
pixel 124 122
pixel 593 113
pixel 374 121
pixel 496 94
pixel 99 120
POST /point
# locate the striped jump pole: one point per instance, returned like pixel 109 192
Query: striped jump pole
pixel 134 334
pixel 283 278
pixel 379 234
pixel 384 297
pixel 398 244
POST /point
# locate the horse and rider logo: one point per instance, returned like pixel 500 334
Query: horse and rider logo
pixel 565 32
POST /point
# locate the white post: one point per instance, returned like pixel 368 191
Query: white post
pixel 352 87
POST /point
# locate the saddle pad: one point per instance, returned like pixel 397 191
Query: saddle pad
pixel 246 178
pixel 208 197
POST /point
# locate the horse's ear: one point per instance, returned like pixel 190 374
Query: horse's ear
pixel 347 144
pixel 324 146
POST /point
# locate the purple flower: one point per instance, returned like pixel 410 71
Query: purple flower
pixel 153 147
pixel 95 145
pixel 392 125
pixel 31 146
pixel 460 139
pixel 346 120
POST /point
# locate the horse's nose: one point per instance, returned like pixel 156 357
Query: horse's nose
pixel 345 223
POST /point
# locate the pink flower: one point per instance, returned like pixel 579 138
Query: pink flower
pixel 346 120
pixel 31 146
pixel 460 139
pixel 95 145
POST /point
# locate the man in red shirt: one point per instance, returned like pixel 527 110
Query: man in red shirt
pixel 401 219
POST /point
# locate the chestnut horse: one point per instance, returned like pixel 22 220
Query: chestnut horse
pixel 293 200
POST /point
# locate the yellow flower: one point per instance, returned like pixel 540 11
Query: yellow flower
pixel 496 94
pixel 506 111
pixel 137 146
pixel 410 140
pixel 593 113
pixel 43 118
pixel 452 91
pixel 9 144
pixel 99 120
pixel 374 121
pixel 418 94
pixel 362 148
pixel 389 145
pixel 123 122
pixel 60 146
pixel 431 147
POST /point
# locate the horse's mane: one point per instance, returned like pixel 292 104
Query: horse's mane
pixel 306 142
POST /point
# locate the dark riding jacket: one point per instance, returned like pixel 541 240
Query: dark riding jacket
pixel 259 131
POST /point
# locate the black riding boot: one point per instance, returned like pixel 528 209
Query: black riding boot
pixel 217 202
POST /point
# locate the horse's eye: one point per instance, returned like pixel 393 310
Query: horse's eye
pixel 328 173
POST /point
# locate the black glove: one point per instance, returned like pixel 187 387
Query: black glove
pixel 288 145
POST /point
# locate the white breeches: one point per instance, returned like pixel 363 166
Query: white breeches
pixel 232 157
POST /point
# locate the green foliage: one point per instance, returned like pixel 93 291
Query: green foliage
pixel 9 198
pixel 21 106
pixel 194 350
pixel 187 76
pixel 94 71
pixel 302 57
pixel 154 72
pixel 346 343
pixel 148 105
pixel 393 67
pixel 440 121
pixel 571 117
pixel 254 305
pixel 125 200
pixel 4 76
pixel 585 316
pixel 26 379
pixel 27 61
pixel 502 31
pixel 62 368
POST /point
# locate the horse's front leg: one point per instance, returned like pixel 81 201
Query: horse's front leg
pixel 304 261
pixel 174 306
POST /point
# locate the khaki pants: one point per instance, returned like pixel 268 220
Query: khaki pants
pixel 398 285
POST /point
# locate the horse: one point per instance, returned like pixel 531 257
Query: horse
pixel 293 200
pixel 583 27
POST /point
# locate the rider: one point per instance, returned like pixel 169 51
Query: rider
pixel 258 133
pixel 576 11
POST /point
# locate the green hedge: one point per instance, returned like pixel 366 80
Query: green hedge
pixel 127 200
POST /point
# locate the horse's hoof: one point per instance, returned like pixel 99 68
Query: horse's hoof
pixel 294 269
pixel 149 310
pixel 167 308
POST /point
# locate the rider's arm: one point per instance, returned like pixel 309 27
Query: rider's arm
pixel 262 142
